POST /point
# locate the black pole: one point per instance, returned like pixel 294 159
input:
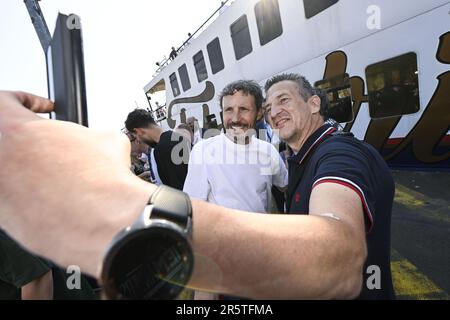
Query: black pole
pixel 38 21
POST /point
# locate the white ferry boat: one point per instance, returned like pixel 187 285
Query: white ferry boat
pixel 384 64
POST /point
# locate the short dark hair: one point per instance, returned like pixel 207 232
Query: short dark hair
pixel 306 90
pixel 248 87
pixel 139 118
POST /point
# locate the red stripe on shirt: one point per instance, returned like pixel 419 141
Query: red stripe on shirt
pixel 358 192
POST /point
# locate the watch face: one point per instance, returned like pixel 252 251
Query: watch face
pixel 152 263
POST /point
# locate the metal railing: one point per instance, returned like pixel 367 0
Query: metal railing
pixel 165 61
pixel 160 113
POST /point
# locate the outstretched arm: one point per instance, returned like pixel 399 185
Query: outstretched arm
pixel 68 217
pixel 319 256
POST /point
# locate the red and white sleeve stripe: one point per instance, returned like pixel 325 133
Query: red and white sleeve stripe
pixel 350 184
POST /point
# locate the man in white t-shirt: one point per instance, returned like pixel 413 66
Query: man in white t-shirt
pixel 235 169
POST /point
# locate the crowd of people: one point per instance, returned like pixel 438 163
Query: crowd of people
pixel 304 208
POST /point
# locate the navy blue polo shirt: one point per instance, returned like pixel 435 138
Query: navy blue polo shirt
pixel 327 157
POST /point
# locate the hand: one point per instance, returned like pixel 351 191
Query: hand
pixel 75 190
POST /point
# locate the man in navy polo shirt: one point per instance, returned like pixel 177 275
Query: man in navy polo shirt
pixel 334 175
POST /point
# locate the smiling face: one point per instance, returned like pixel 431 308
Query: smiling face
pixel 288 112
pixel 239 115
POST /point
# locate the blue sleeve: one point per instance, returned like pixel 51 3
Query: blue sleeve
pixel 346 163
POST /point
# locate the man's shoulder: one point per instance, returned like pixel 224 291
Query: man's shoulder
pixel 171 138
pixel 211 141
pixel 346 151
pixel 171 135
pixel 345 142
pixel 165 137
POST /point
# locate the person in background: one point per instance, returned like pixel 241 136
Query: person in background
pixel 173 54
pixel 194 126
pixel 171 150
pixel 188 41
pixel 24 276
pixel 185 130
pixel 211 128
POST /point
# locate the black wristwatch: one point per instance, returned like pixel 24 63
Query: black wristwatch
pixel 152 259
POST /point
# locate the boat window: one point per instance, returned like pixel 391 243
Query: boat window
pixel 268 20
pixel 184 77
pixel 215 56
pixel 200 66
pixel 174 84
pixel 240 34
pixel 339 94
pixel 393 86
pixel 313 7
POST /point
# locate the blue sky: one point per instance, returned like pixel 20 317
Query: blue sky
pixel 122 42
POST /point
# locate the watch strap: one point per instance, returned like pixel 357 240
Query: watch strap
pixel 173 205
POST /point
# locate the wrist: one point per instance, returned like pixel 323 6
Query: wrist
pixel 152 257
pixel 128 203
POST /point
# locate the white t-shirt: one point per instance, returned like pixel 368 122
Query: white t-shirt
pixel 197 137
pixel 234 175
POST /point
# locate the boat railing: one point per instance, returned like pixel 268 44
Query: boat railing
pixel 160 113
pixel 165 61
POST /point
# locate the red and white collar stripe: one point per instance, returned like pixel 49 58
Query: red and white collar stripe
pixel 327 132
pixel 350 184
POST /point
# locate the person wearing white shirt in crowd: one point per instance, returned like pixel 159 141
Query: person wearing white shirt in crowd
pixel 192 122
